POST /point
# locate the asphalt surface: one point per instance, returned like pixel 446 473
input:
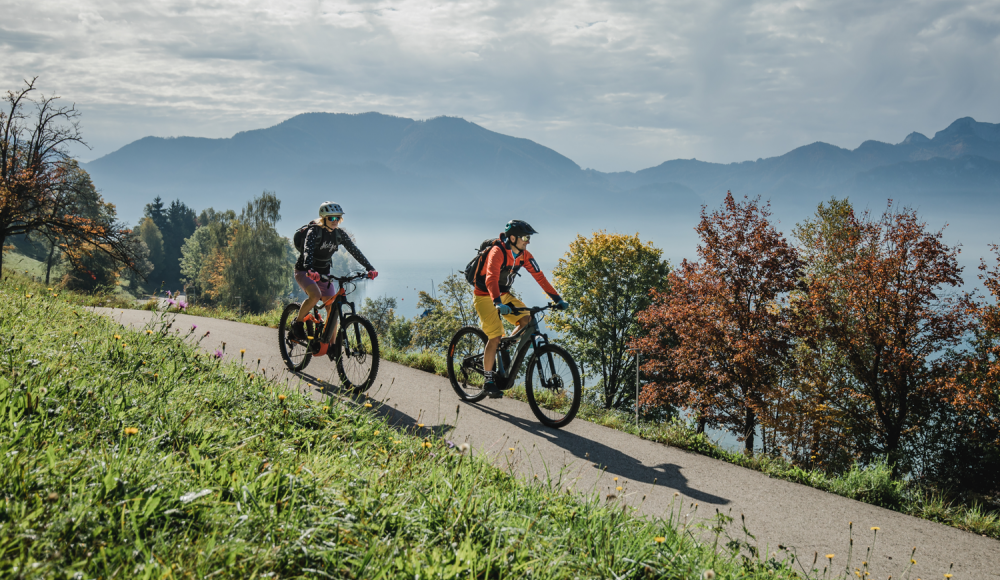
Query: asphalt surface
pixel 591 459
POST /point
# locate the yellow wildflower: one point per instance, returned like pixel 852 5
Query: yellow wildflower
pixel 659 539
pixel 131 431
pixel 281 397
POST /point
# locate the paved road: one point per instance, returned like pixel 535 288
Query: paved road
pixel 589 458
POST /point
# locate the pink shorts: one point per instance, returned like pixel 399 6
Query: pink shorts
pixel 304 282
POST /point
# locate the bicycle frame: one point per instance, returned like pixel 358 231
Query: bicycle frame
pixel 530 336
pixel 337 303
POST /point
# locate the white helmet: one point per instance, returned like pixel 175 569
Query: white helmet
pixel 330 208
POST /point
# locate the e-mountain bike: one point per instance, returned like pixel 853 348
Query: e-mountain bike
pixel 552 382
pixel 350 341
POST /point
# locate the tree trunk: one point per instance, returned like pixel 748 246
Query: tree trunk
pixel 892 450
pixel 48 263
pixel 3 238
pixel 749 426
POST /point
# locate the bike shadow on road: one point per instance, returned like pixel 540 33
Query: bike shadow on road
pixel 392 415
pixel 609 459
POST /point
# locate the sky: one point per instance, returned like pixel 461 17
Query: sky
pixel 614 85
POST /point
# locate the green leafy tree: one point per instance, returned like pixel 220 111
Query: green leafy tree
pixel 607 280
pixel 441 318
pixel 150 235
pixel 202 252
pixel 434 327
pixel 381 312
pixel 256 270
pixel 176 223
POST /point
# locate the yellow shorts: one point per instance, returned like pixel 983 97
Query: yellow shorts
pixel 489 318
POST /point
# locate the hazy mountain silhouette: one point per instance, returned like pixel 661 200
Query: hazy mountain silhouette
pixel 450 166
pixel 960 158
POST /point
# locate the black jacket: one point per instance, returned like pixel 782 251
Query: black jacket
pixel 320 246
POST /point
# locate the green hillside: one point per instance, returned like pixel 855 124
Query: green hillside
pixel 131 454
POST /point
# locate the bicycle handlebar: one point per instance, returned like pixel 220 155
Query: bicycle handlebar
pixel 532 309
pixel 345 279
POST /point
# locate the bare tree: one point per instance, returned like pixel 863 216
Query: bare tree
pixel 40 186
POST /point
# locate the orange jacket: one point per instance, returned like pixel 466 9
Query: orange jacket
pixel 499 280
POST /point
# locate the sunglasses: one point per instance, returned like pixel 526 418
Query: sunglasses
pixel 334 218
pixel 525 238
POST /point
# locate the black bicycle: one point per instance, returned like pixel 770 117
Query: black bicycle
pixel 354 348
pixel 551 382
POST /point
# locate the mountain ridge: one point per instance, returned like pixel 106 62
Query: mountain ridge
pixel 395 163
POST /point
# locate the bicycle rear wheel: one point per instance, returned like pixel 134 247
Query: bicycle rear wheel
pixel 357 354
pixel 295 354
pixel 553 386
pixel 465 363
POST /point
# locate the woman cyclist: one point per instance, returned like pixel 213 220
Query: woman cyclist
pixel 323 237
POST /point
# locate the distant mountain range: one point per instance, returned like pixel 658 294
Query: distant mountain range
pixel 447 166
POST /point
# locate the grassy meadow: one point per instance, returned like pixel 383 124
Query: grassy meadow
pixel 130 454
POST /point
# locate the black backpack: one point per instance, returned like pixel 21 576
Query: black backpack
pixel 299 239
pixel 473 267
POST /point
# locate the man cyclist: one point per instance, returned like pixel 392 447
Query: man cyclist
pixel 492 297
pixel 323 237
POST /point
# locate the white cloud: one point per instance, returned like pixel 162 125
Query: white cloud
pixel 613 85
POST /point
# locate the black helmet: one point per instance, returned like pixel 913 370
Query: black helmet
pixel 519 228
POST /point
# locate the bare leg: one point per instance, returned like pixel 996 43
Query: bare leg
pixel 490 354
pixel 313 295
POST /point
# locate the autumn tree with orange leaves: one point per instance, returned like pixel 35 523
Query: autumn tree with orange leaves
pixel 959 448
pixel 715 343
pixel 39 184
pixel 877 293
pixel 989 321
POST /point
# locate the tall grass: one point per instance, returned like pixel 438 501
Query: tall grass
pixel 129 454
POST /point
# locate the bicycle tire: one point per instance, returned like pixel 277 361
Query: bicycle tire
pixel 467 342
pixel 357 354
pixel 295 354
pixel 550 398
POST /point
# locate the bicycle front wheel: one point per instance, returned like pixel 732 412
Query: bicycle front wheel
pixel 295 354
pixel 465 363
pixel 553 386
pixel 358 355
